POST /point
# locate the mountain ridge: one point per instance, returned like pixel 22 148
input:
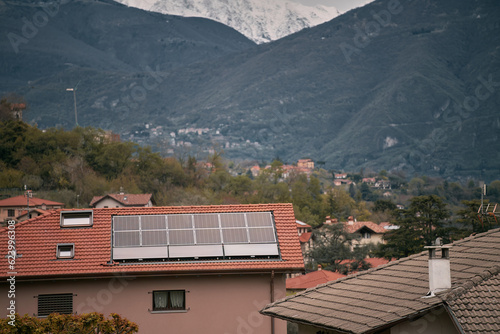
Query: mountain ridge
pixel 260 21
pixel 405 99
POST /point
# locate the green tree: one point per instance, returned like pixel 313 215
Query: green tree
pixel 468 217
pixel 493 191
pixel 334 250
pixel 384 205
pixel 419 225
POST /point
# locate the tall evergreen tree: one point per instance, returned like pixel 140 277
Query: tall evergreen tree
pixel 419 225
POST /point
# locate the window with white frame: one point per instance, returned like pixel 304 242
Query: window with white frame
pixel 76 218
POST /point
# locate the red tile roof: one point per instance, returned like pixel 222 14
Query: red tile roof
pixel 305 237
pixel 352 227
pixel 125 199
pixel 22 201
pixel 312 279
pixel 301 224
pixel 37 239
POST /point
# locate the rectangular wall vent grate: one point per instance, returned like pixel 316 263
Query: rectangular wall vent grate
pixel 56 303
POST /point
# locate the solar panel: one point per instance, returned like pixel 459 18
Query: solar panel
pixel 127 239
pixel 206 221
pixel 176 222
pixel 194 235
pixel 232 220
pixel 154 238
pixel 208 236
pixel 126 223
pixel 261 235
pixel 235 235
pixel 153 223
pixel 181 237
pixel 259 219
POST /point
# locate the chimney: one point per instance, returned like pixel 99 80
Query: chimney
pixel 328 220
pixel 439 267
pixel 319 267
pixel 350 220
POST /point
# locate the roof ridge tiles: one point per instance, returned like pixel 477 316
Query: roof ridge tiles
pixel 477 279
pixel 476 235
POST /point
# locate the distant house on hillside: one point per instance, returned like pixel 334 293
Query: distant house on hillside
pixel 122 200
pixel 368 231
pixel 17 110
pixel 255 170
pixel 184 269
pixel 369 180
pixel 305 233
pixel 340 182
pixel 10 208
pixel 33 213
pixel 305 163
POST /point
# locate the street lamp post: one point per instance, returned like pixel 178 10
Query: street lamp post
pixel 74 99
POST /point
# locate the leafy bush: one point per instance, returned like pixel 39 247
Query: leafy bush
pixel 68 324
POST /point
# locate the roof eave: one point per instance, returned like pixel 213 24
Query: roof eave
pixel 412 316
pixel 159 273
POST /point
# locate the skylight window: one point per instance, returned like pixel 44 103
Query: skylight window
pixel 76 218
pixel 65 251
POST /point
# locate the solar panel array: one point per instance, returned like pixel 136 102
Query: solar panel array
pixel 194 235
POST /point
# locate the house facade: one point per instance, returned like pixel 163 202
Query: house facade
pixel 121 200
pixel 447 289
pixel 368 232
pixel 10 208
pixel 203 269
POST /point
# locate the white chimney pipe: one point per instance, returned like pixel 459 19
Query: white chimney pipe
pixel 439 268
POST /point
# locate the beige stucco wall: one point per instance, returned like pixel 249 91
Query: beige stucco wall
pixel 435 322
pixel 218 304
pixel 304 329
pixel 375 239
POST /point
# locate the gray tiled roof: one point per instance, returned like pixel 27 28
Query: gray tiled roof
pixel 390 293
pixel 476 303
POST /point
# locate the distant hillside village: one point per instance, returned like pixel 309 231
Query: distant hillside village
pixel 99 222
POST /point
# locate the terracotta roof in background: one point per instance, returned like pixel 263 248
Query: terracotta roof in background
pixel 373 261
pixel 37 239
pixel 476 303
pixel 22 201
pixel 305 237
pixel 301 224
pixel 374 299
pixel 352 227
pixel 125 199
pixel 312 279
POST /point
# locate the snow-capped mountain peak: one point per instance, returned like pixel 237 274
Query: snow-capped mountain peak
pixel 261 21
